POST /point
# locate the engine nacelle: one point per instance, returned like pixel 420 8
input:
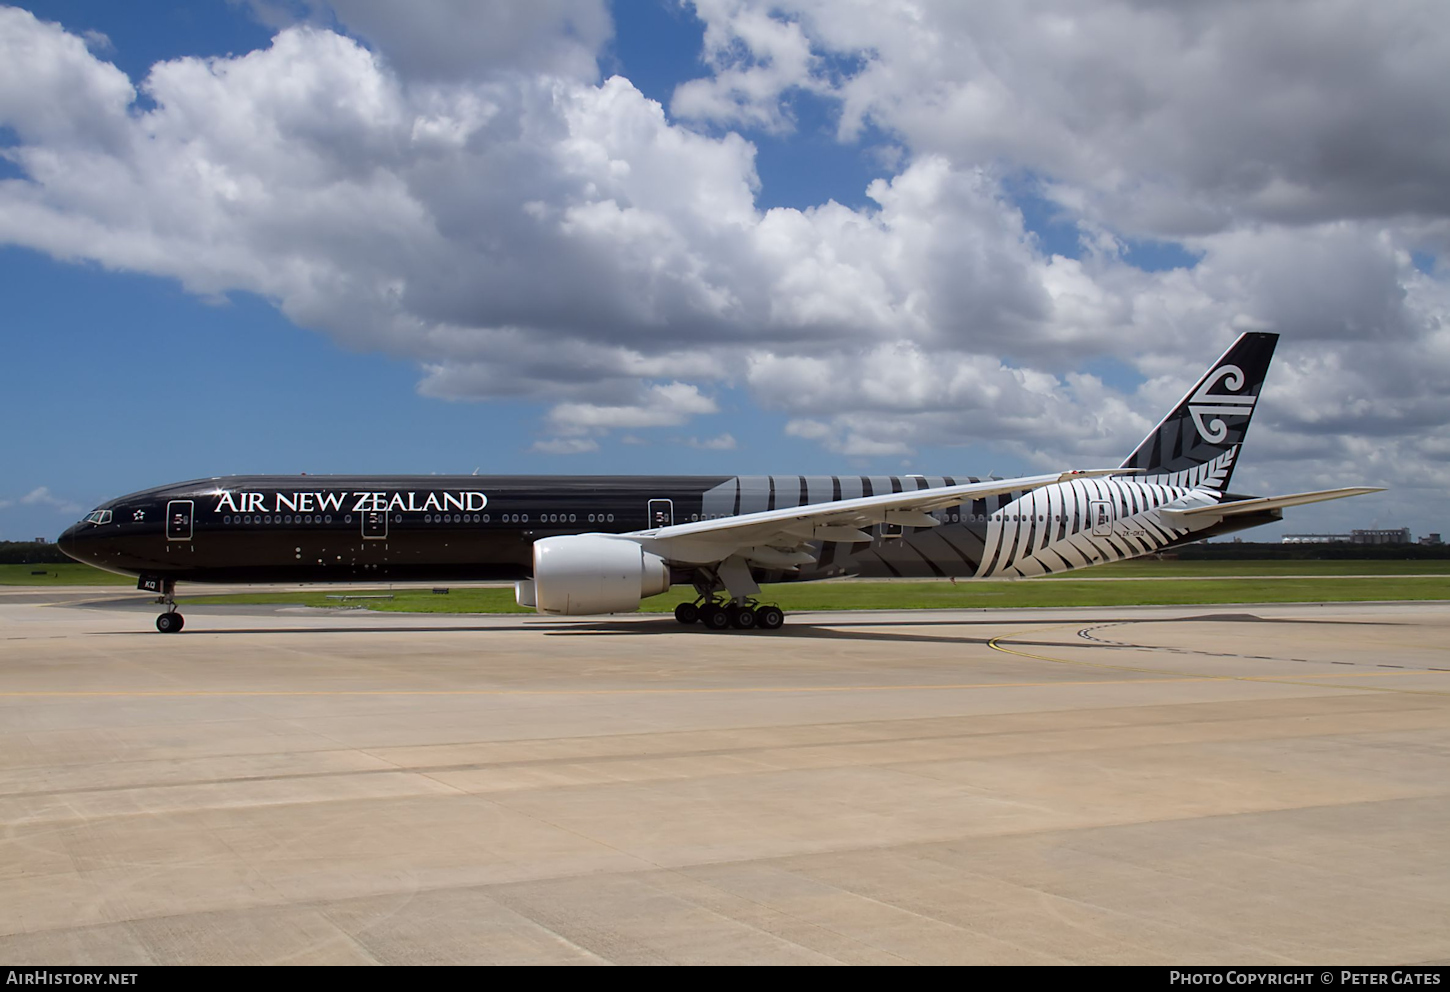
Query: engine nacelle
pixel 581 574
pixel 524 593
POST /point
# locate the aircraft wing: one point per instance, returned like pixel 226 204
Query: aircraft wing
pixel 768 537
pixel 1264 503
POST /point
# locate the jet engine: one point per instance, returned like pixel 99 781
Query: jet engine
pixel 582 574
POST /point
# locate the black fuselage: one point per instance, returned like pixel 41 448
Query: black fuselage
pixel 479 528
pixel 440 528
pixel 341 528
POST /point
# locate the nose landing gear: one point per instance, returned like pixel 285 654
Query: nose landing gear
pixel 171 621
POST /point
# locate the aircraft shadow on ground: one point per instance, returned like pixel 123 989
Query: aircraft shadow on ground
pixel 195 627
pixel 899 631
pixel 855 629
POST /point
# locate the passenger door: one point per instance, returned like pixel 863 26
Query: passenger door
pixel 375 525
pixel 179 523
pixel 661 514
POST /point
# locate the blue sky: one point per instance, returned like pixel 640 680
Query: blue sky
pixel 137 382
pixel 127 379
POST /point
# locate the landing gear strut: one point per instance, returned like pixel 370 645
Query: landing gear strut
pixel 171 621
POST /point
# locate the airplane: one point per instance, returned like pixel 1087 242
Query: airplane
pixel 589 545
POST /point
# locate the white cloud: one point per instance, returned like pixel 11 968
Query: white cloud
pixel 440 39
pixel 42 497
pixel 659 406
pixel 98 42
pixel 1174 119
pixel 753 58
pixel 518 228
pixel 566 446
pixel 721 442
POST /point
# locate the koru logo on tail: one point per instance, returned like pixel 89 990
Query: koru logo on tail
pixel 1207 404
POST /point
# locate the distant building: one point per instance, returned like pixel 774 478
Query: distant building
pixel 1317 539
pixel 1431 539
pixel 41 540
pixel 1400 535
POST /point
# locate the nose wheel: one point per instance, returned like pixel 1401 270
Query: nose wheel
pixel 171 621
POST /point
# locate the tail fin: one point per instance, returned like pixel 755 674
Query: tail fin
pixel 1198 443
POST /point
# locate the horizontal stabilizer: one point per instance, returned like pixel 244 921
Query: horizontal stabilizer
pixel 1262 503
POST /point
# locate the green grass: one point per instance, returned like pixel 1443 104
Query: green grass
pixel 927 595
pixel 69 574
pixel 1147 568
pixel 75 573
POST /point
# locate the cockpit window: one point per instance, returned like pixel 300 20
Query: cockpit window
pixel 98 517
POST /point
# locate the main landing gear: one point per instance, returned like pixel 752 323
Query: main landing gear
pixel 171 621
pixel 737 609
pixel 742 616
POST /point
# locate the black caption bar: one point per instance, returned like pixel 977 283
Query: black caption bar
pixel 1322 976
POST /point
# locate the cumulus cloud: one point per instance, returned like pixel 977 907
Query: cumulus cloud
pixel 98 42
pixel 566 446
pixel 42 497
pixel 450 39
pixel 721 442
pixel 754 57
pixel 518 227
pixel 659 406
pixel 1165 118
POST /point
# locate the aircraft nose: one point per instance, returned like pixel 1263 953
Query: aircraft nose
pixel 71 543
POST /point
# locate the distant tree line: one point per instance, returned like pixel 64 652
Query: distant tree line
pixel 1244 551
pixel 30 553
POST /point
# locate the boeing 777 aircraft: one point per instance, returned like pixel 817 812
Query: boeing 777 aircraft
pixel 579 545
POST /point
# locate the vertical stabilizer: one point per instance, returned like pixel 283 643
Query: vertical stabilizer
pixel 1198 443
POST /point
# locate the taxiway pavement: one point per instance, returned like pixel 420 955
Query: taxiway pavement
pixel 1264 784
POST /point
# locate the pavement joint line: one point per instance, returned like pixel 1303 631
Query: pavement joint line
pixel 1187 677
pixel 1086 634
pixel 66 693
pixel 996 645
